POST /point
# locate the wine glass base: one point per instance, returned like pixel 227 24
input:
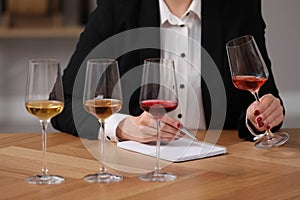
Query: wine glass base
pixel 283 138
pixel 158 177
pixel 103 178
pixel 279 138
pixel 44 179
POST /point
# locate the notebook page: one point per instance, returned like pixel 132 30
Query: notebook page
pixel 180 150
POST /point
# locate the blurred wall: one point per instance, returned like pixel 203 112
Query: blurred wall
pixel 283 30
pixel 14 56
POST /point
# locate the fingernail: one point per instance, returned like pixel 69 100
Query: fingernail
pixel 268 127
pixel 261 124
pixel 179 126
pixel 258 119
pixel 256 113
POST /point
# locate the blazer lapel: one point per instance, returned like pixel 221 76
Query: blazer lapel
pixel 212 29
pixel 149 17
pixel 212 42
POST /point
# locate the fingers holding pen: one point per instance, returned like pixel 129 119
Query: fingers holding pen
pixel 143 128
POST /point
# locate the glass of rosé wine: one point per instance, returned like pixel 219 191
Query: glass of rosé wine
pixel 102 97
pixel 158 96
pixel 249 72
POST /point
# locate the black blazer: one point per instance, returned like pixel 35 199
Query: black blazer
pixel 221 22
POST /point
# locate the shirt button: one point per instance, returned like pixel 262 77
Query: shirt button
pixel 182 25
pixel 182 55
pixel 179 116
pixel 181 86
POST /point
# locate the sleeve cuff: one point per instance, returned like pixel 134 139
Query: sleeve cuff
pixel 111 125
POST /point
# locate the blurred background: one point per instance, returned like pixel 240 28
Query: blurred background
pixel 51 30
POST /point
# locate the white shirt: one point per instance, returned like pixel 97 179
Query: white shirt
pixel 180 41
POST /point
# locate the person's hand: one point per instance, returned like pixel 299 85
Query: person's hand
pixel 143 128
pixel 266 114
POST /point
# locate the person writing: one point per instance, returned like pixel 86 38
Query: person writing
pixel 211 24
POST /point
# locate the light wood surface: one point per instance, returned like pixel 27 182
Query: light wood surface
pixel 243 173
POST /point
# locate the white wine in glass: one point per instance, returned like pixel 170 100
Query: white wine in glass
pixel 44 100
pixel 249 72
pixel 102 97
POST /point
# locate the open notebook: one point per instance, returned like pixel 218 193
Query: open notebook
pixel 180 150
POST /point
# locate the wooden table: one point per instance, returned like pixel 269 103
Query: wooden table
pixel 243 173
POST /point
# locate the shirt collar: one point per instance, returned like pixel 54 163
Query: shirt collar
pixel 164 12
pixel 166 15
pixel 195 7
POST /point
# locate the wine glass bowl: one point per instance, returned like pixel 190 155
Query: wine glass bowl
pixel 44 109
pixel 249 72
pixel 250 83
pixel 158 108
pixel 44 100
pixel 102 97
pixel 158 96
pixel 102 108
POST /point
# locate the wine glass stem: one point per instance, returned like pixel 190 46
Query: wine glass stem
pixel 44 125
pixel 102 144
pixel 157 166
pixel 255 94
pixel 269 134
pixel 268 131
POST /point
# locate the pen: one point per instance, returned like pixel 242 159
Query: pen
pixel 188 133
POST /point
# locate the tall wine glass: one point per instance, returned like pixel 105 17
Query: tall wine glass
pixel 102 97
pixel 44 78
pixel 158 96
pixel 249 72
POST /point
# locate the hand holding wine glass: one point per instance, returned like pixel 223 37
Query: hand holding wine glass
pixel 102 97
pixel 158 96
pixel 44 77
pixel 249 72
pixel 265 114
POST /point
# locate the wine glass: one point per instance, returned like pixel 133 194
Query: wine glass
pixel 158 96
pixel 44 99
pixel 249 72
pixel 102 97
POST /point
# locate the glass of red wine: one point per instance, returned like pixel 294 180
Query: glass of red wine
pixel 158 96
pixel 249 72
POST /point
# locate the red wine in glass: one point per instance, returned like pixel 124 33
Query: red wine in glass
pixel 158 108
pixel 249 72
pixel 158 96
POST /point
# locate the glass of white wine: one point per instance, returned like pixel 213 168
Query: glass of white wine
pixel 102 97
pixel 44 99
